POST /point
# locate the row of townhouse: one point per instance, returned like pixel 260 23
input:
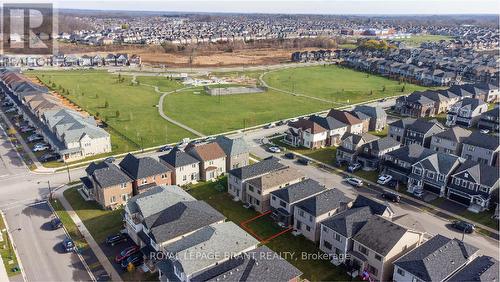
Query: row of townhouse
pixel 316 55
pixel 71 134
pixel 61 60
pixel 112 185
pixel 430 103
pixel 183 239
pixel 317 131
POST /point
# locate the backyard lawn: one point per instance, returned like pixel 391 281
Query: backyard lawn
pixel 299 251
pixel 129 109
pixel 337 84
pixel 325 155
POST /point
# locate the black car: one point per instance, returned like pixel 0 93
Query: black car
pixel 135 259
pixel 290 156
pixel 303 161
pixel 49 157
pixel 56 223
pixel 68 245
pixel 165 148
pixel 116 239
pixel 391 197
pixel 463 226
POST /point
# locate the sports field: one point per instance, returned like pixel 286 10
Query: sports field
pixel 337 84
pixel 419 39
pixel 131 110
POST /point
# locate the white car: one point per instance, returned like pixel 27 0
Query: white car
pixel 384 179
pixel 271 125
pixel 274 149
pixel 354 181
pixel 418 193
pixel 484 131
pixel 40 148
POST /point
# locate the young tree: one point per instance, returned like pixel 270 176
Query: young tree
pixel 403 88
pixel 383 88
pixel 117 114
pixel 106 104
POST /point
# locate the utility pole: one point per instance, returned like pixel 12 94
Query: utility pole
pixel 67 170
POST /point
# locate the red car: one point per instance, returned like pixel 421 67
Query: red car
pixel 124 254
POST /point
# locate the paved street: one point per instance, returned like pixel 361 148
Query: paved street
pixel 433 225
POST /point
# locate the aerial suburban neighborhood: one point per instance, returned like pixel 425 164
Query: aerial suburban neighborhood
pixel 250 141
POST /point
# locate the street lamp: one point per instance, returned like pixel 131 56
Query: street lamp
pixel 50 189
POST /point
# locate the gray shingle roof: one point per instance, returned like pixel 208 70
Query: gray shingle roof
pixel 383 144
pixel 374 112
pixel 144 167
pixel 106 174
pixel 482 174
pixel 440 162
pixel 375 207
pixel 324 202
pixel 455 133
pixel 380 234
pixel 436 259
pixel 299 191
pixel 156 199
pixel 482 140
pixel 483 268
pixel 411 153
pixel 256 169
pixel 402 123
pixel 424 126
pixel 180 219
pixel 261 264
pixel 232 147
pixel 349 222
pixel 327 122
pixel 177 158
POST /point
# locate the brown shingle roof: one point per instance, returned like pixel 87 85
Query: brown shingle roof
pixel 207 152
pixel 344 117
pixel 305 124
pixel 276 178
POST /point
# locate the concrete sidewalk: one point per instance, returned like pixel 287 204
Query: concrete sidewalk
pixel 3 271
pixel 103 259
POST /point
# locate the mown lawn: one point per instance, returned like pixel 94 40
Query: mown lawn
pixel 419 39
pixel 337 84
pixel 325 155
pixel 131 109
pixel 7 252
pixel 164 84
pixel 299 251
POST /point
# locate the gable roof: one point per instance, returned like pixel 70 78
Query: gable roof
pixel 324 202
pixel 436 259
pixel 481 140
pixel 106 174
pixel 260 264
pixel 383 144
pixel 207 152
pixel 327 122
pixel 482 268
pixel 440 162
pixel 177 158
pixel 344 116
pixel 374 112
pixel 424 126
pixel 157 199
pixel 411 153
pixel 264 166
pixel 232 147
pixel 306 124
pixel 349 222
pixel 380 234
pixel 144 167
pixel 375 206
pixel 276 178
pixel 482 174
pixel 402 123
pixel 455 133
pixel 359 138
pixel 299 191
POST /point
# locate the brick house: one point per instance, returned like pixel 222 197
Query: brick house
pixel 145 172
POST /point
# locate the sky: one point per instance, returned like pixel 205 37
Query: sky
pixel 389 7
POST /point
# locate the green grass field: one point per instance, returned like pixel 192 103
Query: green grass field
pixel 7 253
pixel 164 84
pixel 337 84
pixel 138 117
pixel 419 39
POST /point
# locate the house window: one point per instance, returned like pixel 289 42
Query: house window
pixel 301 212
pixel 124 197
pixel 193 165
pixel 283 204
pixel 457 181
pixel 417 171
pixel 327 245
pixel 273 197
pixel 123 185
pixel 401 272
pixel 311 218
pixel 363 250
pixel 184 177
pixel 250 188
pixel 471 186
pixel 257 202
pixel 430 174
pixel 337 237
pixel 470 148
pixel 308 228
pixel 144 181
pixel 378 257
pixel 484 189
pixel 441 177
pixel 464 183
pixel 259 191
pixel 163 176
pixel 112 199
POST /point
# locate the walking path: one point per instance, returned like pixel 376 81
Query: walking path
pixel 160 106
pixel 103 259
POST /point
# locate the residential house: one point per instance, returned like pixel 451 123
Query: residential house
pixel 492 91
pixel 398 163
pixel 371 153
pixel 466 112
pixel 145 172
pixel 107 185
pixel 185 168
pixel 227 240
pixel 382 209
pixel 212 160
pixel 472 184
pixel 432 173
pixel 337 232
pixel 490 120
pixel 378 244
pixel 351 146
pixel 237 178
pixel 306 133
pixel 481 269
pixel 378 117
pixel 421 131
pixel 450 140
pixel 283 200
pixel 415 105
pixel 258 189
pixel 309 213
pixel 397 128
pixel 435 260
pixel 482 148
pixel 335 129
pixel 354 124
pixel 260 264
pixel 236 150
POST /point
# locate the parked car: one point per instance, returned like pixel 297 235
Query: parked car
pixel 271 125
pixel 395 198
pixel 210 139
pixel 25 129
pixel 484 131
pixel 40 148
pixel 166 148
pixel 35 137
pixel 68 245
pixel 10 110
pixel 116 239
pixel 303 161
pixel 135 259
pixel 110 159
pixel 354 181
pixel 290 156
pixel 354 167
pixel 384 179
pixel 50 157
pixel 56 223
pixel 281 122
pixel 126 253
pixel 274 149
pixel 418 193
pixel 463 226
